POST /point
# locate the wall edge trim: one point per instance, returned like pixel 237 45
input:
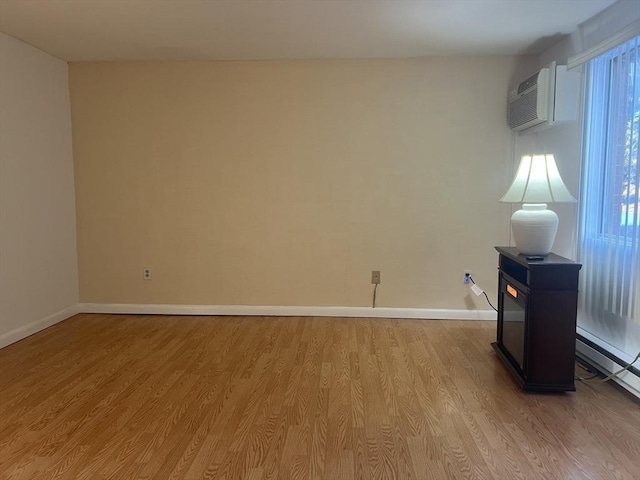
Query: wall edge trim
pixel 36 326
pixel 302 311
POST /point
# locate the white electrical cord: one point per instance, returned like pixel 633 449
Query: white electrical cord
pixel 613 375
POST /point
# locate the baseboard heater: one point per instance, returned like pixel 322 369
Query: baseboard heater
pixel 603 351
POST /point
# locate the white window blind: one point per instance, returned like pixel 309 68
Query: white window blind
pixel 610 214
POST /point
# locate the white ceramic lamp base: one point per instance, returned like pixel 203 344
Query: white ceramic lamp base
pixel 534 229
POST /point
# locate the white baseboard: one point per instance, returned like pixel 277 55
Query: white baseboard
pixel 626 380
pixel 37 325
pixel 250 310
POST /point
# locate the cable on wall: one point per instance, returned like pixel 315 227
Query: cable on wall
pixel 484 293
pixel 375 290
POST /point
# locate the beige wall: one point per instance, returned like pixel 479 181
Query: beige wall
pixel 286 183
pixel 38 266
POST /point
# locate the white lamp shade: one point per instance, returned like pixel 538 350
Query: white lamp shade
pixel 537 181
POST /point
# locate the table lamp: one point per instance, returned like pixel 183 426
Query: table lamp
pixel 537 182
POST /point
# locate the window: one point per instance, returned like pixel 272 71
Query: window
pixel 610 216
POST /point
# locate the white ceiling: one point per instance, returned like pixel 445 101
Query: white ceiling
pixel 109 30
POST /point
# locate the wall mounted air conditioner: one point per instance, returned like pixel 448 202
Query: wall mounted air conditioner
pixel 547 97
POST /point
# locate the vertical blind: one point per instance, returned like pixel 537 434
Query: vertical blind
pixel 610 214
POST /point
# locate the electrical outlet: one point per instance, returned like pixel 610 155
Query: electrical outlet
pixel 375 277
pixel 146 274
pixel 466 278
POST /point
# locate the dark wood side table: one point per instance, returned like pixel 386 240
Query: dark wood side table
pixel 537 307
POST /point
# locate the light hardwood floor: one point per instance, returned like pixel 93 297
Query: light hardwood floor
pixel 133 397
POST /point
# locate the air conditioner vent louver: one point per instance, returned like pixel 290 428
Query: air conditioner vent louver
pixel 524 111
pixel 530 103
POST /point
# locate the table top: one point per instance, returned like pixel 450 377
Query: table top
pixel 550 259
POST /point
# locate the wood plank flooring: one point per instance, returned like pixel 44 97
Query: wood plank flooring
pixel 257 398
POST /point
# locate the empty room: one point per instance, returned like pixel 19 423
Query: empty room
pixel 319 239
